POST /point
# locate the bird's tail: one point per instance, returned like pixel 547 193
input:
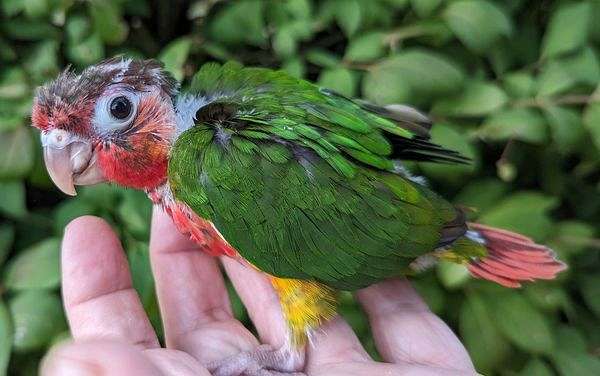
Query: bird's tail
pixel 508 258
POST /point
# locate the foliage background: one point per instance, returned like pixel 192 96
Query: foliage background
pixel 512 84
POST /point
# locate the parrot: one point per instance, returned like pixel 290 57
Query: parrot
pixel 297 181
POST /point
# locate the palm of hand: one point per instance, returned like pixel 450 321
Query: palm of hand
pixel 113 336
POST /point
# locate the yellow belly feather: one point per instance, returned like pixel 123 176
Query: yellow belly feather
pixel 305 304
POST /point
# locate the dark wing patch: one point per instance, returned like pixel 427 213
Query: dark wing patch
pixel 419 147
pixel 423 150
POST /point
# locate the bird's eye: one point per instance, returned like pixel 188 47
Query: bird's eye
pixel 121 107
pixel 114 112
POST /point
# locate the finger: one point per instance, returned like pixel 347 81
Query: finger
pixel 375 368
pixel 115 358
pixel 193 300
pixel 333 343
pixel 260 299
pixel 175 363
pixel 405 330
pixel 99 299
pixel 97 358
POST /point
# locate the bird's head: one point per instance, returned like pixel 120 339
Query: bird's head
pixel 113 122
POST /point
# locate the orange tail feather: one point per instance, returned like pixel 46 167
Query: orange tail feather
pixel 513 258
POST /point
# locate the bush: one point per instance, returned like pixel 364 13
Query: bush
pixel 513 84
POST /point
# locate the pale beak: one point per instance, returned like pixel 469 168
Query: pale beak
pixel 70 161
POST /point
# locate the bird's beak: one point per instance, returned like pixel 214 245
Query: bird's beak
pixel 70 161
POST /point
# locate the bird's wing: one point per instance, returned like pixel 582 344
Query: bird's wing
pixel 301 181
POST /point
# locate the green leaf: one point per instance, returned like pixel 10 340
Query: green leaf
pixel 61 338
pixel 424 8
pixel 68 210
pixel 14 112
pixel 570 339
pixel 477 23
pixel 348 16
pixel 86 52
pixel 299 8
pixel 452 275
pixel 284 42
pixel 340 79
pixel 108 22
pixel 536 367
pixel 519 84
pixel 523 124
pixel 36 8
pixel 572 237
pixel 36 267
pixel 326 12
pixel 6 337
pixel 12 7
pixel 521 323
pixel 295 67
pixel 566 127
pixel 28 30
pixel 554 78
pixel 426 74
pixel 7 236
pixel 13 83
pixel 217 51
pixel 525 212
pixel 547 297
pixel 478 98
pixel 17 154
pixel 482 194
pixel 174 55
pixel 385 86
pixel 560 75
pixel 300 30
pixel 77 28
pixel 355 317
pixel 366 47
pixel 594 26
pixel 567 29
pixel 591 120
pixel 42 63
pixel 322 58
pixel 101 196
pixel 240 22
pixel 141 273
pixel 584 67
pixel 134 211
pixel 589 286
pixel 452 138
pixel 37 317
pixel 429 289
pixel 570 363
pixel 486 345
pixel 13 199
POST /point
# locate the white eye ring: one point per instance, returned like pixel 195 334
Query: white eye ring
pixel 106 121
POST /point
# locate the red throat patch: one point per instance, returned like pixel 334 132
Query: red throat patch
pixel 140 157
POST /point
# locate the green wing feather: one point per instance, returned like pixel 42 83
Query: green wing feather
pixel 301 180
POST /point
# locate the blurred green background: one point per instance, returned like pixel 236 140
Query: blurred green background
pixel 513 84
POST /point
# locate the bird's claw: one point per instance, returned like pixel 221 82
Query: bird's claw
pixel 263 361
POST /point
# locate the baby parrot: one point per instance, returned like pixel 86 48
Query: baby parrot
pixel 300 182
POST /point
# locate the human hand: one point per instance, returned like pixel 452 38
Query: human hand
pixel 113 336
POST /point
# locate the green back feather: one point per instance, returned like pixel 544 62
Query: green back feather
pixel 300 180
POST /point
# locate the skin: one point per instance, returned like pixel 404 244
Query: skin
pixel 113 336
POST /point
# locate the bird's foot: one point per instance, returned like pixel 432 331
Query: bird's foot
pixel 263 361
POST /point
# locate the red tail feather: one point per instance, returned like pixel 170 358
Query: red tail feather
pixel 513 258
